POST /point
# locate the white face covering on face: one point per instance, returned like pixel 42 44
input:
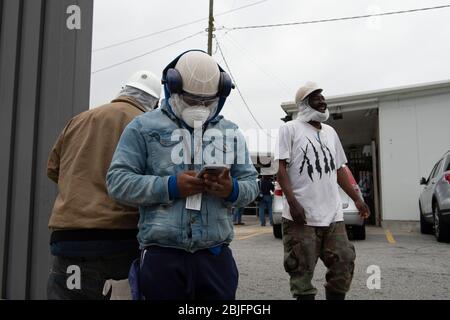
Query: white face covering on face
pixel 192 115
pixel 307 114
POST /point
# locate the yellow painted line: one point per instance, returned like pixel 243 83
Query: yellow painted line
pixel 248 236
pixel 390 237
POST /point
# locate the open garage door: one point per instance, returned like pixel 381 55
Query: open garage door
pixel 358 131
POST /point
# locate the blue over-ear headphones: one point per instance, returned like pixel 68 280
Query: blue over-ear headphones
pixel 173 82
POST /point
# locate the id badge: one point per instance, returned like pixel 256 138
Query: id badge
pixel 194 202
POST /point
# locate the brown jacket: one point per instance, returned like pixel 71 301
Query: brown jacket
pixel 79 162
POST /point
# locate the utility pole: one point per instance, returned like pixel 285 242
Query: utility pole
pixel 210 26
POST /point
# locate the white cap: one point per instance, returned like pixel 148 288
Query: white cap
pixel 306 90
pixel 200 73
pixel 147 82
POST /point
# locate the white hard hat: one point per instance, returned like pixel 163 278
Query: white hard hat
pixel 146 81
pixel 306 90
pixel 200 73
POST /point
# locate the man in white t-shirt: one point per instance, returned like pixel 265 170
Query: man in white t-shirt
pixel 311 165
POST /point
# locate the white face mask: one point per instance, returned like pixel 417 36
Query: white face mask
pixel 307 114
pixel 193 116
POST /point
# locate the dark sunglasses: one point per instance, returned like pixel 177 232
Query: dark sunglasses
pixel 192 99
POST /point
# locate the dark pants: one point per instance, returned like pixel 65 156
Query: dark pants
pixel 265 203
pixel 172 274
pixel 237 215
pixel 93 274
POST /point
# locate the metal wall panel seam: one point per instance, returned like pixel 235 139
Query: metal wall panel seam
pixel 6 242
pixel 21 193
pixel 35 150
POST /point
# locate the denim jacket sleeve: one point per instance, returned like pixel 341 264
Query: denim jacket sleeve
pixel 126 179
pixel 245 173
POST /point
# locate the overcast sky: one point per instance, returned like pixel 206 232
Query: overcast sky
pixel 270 64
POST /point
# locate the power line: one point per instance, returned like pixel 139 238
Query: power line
pixel 335 19
pixel 237 88
pixel 148 35
pixel 175 27
pixel 147 53
pixel 253 60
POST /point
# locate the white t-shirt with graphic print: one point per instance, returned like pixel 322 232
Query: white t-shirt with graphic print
pixel 313 156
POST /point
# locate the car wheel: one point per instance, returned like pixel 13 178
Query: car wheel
pixel 425 226
pixel 441 231
pixel 359 232
pixel 277 232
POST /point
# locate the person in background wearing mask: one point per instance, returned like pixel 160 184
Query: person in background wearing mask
pixel 311 165
pixel 89 229
pixel 186 222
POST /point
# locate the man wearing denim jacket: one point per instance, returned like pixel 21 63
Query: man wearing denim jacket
pixel 185 223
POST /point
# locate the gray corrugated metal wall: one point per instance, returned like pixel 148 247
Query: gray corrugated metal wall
pixel 44 81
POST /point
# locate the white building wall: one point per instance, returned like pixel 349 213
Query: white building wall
pixel 414 134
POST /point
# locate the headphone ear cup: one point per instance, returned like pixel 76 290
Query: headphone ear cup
pixel 225 85
pixel 174 81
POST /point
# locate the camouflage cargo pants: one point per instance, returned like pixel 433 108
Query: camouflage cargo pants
pixel 303 245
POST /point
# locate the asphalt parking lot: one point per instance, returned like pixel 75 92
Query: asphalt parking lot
pixel 412 265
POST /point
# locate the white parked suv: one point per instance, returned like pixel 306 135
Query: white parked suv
pixel 434 201
pixel 353 221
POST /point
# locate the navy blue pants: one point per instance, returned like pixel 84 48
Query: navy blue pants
pixel 173 274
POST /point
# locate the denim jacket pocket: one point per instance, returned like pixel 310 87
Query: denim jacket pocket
pixel 161 147
pixel 159 227
pixel 220 220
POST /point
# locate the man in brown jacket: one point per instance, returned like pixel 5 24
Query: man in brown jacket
pixel 94 238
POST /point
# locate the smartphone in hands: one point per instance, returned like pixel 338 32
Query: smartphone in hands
pixel 212 169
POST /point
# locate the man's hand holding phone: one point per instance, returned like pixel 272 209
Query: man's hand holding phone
pixel 218 181
pixel 189 184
